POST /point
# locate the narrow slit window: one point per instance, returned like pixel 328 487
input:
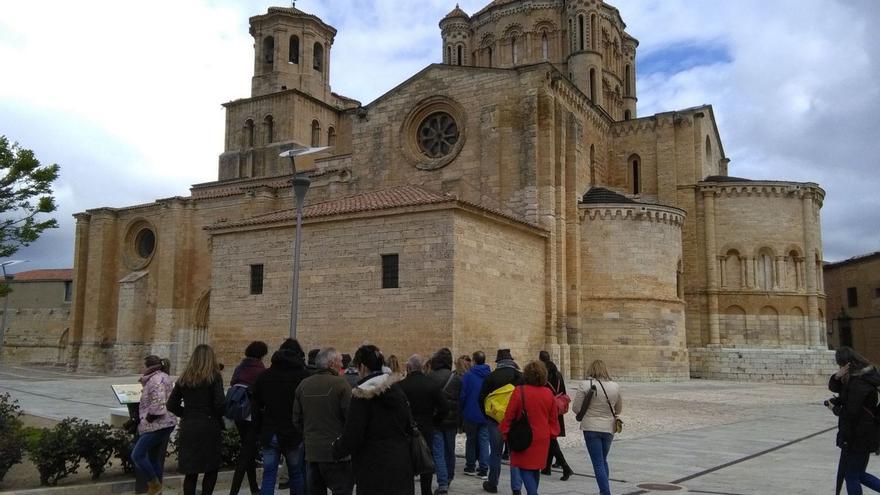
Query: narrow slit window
pixel 293 56
pixel 852 297
pixel 459 56
pixel 580 32
pixel 256 279
pixel 68 291
pixel 390 273
pixel 318 57
pixel 636 179
pixel 545 47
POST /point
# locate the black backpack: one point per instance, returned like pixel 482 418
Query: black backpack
pixel 238 403
pixel 519 437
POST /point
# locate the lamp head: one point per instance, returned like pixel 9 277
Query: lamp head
pixel 300 188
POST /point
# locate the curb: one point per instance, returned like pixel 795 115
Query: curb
pixel 111 487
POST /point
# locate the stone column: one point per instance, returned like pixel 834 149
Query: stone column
pixel 779 273
pixel 711 265
pixel 80 270
pixel 810 226
pixel 722 261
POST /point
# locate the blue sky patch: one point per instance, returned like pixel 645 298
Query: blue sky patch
pixel 682 56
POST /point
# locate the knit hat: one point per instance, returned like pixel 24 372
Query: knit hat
pixel 503 354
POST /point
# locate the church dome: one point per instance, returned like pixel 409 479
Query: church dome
pixel 456 12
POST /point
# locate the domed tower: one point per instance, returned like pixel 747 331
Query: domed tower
pixel 456 32
pixel 629 77
pixel 585 57
pixel 291 51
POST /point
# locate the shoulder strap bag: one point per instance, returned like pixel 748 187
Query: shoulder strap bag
pixel 519 437
pixel 618 423
pixel 586 403
pixel 419 452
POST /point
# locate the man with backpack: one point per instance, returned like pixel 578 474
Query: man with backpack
pixel 506 373
pixel 474 420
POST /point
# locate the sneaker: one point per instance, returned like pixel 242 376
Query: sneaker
pixel 441 491
pixel 517 492
pixel 483 475
pixel 470 471
pixel 489 488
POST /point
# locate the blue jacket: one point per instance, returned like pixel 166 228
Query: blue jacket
pixel 469 398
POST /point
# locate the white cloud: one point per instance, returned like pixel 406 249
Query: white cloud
pixel 126 96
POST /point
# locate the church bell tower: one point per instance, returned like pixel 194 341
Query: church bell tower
pixel 291 51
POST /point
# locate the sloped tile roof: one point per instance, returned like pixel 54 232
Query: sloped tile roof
pixel 395 197
pixel 457 12
pixel 599 195
pixel 60 275
pixel 725 178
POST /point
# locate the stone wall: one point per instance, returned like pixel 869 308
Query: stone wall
pixel 631 313
pixel 802 367
pixel 861 274
pixel 499 287
pixel 342 302
pixel 37 323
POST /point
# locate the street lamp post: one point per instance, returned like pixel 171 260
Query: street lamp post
pixel 3 265
pixel 301 185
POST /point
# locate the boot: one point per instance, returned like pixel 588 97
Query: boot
pixel 154 487
pixel 566 472
pixel 546 471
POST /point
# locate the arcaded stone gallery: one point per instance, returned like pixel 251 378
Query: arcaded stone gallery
pixel 510 196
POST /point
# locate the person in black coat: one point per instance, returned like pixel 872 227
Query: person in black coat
pixel 273 396
pixel 445 429
pixel 197 398
pixel 427 403
pixel 376 430
pixel 506 372
pixel 556 384
pixel 857 429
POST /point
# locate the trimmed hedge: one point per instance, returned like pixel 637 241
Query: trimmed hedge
pixel 12 438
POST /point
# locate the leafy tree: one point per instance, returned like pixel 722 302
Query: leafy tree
pixel 25 193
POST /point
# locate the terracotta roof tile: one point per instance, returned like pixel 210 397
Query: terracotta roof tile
pixel 600 195
pixel 456 12
pixel 62 274
pixel 395 197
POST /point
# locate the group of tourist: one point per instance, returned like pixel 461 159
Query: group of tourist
pixel 340 422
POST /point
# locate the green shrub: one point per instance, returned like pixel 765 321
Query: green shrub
pixel 123 442
pixel 12 438
pixel 230 447
pixel 95 445
pixel 56 453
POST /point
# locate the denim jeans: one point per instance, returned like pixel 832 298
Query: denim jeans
pixel 598 446
pixel 476 446
pixel 150 465
pixel 444 456
pixel 271 457
pixel 530 480
pixel 852 466
pixel 496 443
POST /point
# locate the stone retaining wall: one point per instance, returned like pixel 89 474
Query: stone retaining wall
pixel 791 366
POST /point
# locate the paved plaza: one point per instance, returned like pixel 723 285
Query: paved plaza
pixel 708 437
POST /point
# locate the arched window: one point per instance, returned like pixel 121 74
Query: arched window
pixel 460 55
pixel 594 34
pixel 545 46
pixel 318 56
pixel 627 83
pixel 269 127
pixel 293 56
pixel 489 53
pixel 331 136
pixel 581 32
pixel 570 35
pixel 708 150
pixel 249 133
pixel 593 85
pixel 514 51
pixel 635 174
pixel 316 134
pixel 449 54
pixel 268 50
pixel 627 115
pixel 732 272
pixel 764 270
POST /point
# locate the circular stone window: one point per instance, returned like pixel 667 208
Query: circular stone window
pixel 438 134
pixel 145 243
pixel 139 244
pixel 433 132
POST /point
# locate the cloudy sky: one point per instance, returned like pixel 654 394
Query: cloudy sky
pixel 126 96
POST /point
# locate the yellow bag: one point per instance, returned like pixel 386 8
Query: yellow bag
pixel 497 400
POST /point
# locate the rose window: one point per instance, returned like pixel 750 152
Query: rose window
pixel 438 134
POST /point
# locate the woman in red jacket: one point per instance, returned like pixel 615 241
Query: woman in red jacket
pixel 540 408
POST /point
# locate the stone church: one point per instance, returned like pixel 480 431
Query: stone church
pixel 510 196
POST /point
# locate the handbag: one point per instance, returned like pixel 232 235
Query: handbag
pixel 519 437
pixel 420 454
pixel 618 423
pixel 562 399
pixel 586 403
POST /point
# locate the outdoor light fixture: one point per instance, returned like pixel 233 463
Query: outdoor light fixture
pixel 3 265
pixel 301 185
